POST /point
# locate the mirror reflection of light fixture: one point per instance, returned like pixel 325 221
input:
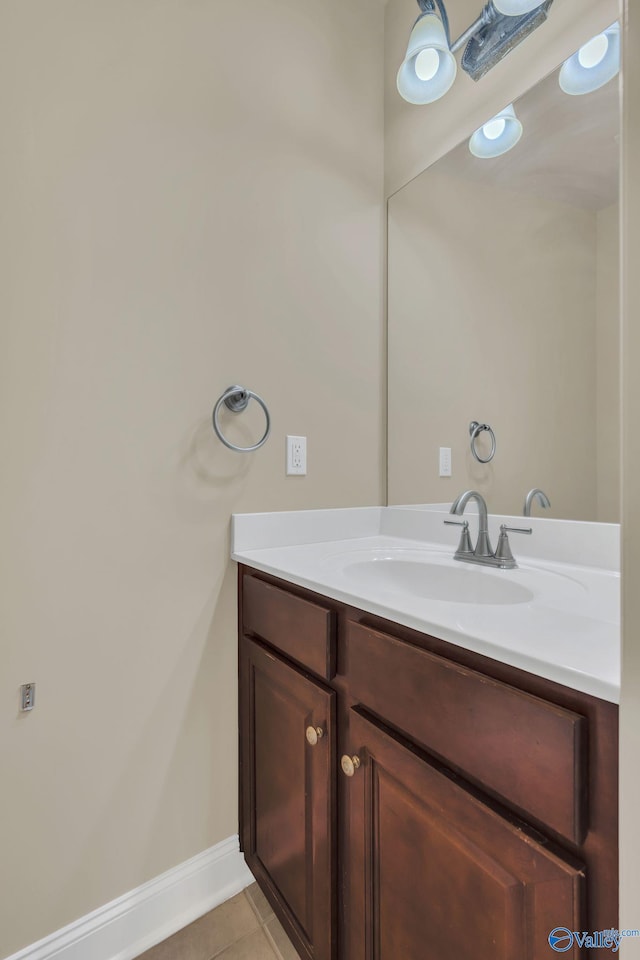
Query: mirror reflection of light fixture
pixel 496 136
pixel 429 67
pixel 595 63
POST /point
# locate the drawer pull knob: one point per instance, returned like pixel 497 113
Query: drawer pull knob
pixel 314 734
pixel 349 765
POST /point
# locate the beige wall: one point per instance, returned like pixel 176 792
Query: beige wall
pixel 608 364
pixel 630 701
pixel 192 197
pixel 491 325
pixel 416 136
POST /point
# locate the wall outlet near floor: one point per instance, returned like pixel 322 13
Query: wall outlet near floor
pixel 27 696
pixel 296 456
pixel 445 461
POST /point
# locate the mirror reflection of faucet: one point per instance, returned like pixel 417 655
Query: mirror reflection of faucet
pixel 535 494
pixel 483 552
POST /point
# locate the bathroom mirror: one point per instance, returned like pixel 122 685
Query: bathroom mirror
pixel 504 309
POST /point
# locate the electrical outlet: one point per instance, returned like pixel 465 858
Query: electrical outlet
pixel 27 696
pixel 445 461
pixel 296 456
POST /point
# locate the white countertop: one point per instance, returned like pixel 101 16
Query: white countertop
pixel 565 625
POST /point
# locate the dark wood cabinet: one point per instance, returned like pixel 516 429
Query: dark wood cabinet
pixel 288 795
pixel 433 873
pixel 453 807
pixel 479 726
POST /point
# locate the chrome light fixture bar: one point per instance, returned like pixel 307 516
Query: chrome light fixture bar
pixel 429 67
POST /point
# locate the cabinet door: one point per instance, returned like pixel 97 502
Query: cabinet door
pixel 288 795
pixel 432 873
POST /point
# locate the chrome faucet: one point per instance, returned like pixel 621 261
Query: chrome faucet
pixel 535 494
pixel 483 546
pixel 483 552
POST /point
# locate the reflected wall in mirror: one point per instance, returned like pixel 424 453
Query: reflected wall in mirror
pixel 504 309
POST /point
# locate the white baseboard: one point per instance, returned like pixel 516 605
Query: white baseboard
pixel 126 927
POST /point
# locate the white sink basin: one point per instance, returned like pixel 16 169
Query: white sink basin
pixel 435 581
pixel 431 575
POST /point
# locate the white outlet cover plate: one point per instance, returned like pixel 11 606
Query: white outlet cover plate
pixel 445 461
pixel 296 456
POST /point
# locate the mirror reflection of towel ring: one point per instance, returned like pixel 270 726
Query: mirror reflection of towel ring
pixel 237 399
pixel 475 429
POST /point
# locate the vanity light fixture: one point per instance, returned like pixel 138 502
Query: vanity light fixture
pixel 429 67
pixel 595 63
pixel 496 136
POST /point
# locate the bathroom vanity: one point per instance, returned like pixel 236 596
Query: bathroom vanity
pixel 404 795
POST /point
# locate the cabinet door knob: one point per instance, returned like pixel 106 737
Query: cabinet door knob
pixel 349 765
pixel 314 734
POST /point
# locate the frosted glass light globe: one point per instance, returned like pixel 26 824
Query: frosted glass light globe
pixel 596 63
pixel 429 68
pixel 496 136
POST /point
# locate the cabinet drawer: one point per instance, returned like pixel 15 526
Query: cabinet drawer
pixel 302 630
pixel 527 752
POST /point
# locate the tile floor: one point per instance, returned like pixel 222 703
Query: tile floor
pixel 243 928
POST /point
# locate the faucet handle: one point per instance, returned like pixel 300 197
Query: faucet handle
pixel 465 540
pixel 503 550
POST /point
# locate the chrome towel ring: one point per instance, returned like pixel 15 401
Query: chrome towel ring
pixel 475 429
pixel 237 399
